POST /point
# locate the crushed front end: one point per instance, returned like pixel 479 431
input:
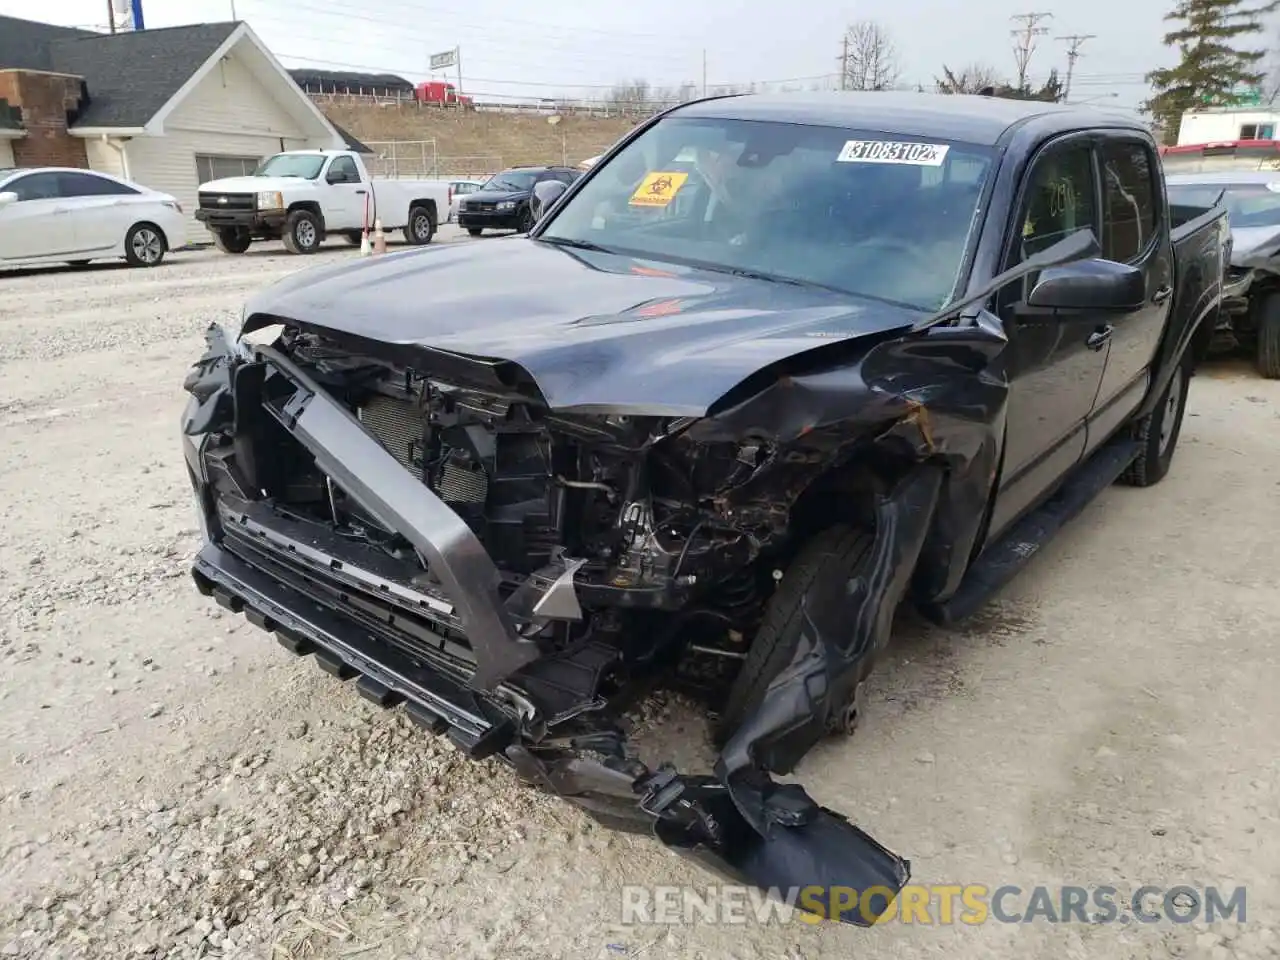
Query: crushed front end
pixel 518 578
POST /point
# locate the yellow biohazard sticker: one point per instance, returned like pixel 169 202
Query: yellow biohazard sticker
pixel 658 189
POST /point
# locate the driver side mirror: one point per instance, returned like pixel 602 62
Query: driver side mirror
pixel 7 198
pixel 1088 285
pixel 545 194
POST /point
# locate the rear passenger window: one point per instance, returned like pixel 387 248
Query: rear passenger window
pixel 1129 201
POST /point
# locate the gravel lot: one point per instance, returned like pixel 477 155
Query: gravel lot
pixel 172 784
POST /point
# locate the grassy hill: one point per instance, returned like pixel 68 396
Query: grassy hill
pixel 471 142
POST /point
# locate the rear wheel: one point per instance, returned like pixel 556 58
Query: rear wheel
pixel 1269 337
pixel 352 237
pixel 421 226
pixel 475 231
pixel 302 232
pixel 144 245
pixel 232 239
pixel 841 550
pixel 1158 432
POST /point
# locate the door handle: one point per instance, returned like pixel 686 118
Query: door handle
pixel 1161 295
pixel 362 191
pixel 1099 338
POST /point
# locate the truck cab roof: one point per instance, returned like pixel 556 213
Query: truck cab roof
pixel 970 118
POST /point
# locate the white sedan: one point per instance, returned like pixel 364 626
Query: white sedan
pixel 64 215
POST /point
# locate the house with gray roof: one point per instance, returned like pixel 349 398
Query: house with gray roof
pixel 168 108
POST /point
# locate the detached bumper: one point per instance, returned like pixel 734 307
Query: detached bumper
pixel 253 220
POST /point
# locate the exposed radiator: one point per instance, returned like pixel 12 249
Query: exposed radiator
pixel 399 425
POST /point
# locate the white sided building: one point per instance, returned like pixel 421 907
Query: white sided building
pixel 1219 125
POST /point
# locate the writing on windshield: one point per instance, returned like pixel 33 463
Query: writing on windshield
pixel 864 212
pixel 305 166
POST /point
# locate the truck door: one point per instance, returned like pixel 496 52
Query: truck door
pixel 1055 364
pixel 1133 232
pixel 344 205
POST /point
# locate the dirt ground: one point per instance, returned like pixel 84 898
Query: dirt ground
pixel 173 784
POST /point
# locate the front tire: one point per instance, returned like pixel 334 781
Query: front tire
pixel 1158 432
pixel 302 233
pixel 475 231
pixel 421 226
pixel 527 220
pixel 232 239
pixel 841 549
pixel 1269 337
pixel 144 245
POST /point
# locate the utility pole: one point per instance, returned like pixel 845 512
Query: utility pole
pixel 1074 41
pixel 844 62
pixel 1025 41
pixel 704 71
pixel 111 15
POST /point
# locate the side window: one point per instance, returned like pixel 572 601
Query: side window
pixel 1129 200
pixel 1059 200
pixel 37 186
pixel 87 185
pixel 343 170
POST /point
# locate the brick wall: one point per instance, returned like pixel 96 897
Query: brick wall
pixel 44 99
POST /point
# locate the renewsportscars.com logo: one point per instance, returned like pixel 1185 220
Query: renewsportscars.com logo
pixel 936 904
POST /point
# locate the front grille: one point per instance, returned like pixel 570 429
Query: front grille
pixel 233 201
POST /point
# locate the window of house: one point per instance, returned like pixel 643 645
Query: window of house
pixel 1129 200
pixel 1249 131
pixel 210 167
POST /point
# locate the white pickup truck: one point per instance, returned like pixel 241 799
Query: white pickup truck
pixel 302 196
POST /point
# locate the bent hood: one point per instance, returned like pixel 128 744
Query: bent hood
pixel 1252 246
pixel 596 332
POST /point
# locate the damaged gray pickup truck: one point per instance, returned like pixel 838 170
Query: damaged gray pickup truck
pixel 775 366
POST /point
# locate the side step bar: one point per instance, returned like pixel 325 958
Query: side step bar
pixel 1002 560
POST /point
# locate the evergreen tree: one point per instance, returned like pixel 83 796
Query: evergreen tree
pixel 1211 68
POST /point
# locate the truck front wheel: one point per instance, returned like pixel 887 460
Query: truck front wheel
pixel 232 239
pixel 421 226
pixel 302 232
pixel 841 550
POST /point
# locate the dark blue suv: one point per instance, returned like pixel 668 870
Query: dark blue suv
pixel 502 203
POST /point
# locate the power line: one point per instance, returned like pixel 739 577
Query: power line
pixel 1074 41
pixel 1025 43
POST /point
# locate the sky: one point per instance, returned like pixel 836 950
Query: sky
pixel 549 48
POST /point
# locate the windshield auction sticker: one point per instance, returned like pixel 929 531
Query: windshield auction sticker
pixel 891 151
pixel 658 189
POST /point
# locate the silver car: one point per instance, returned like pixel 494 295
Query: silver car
pixel 1251 296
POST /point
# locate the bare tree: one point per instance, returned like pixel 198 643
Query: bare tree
pixel 973 78
pixel 870 59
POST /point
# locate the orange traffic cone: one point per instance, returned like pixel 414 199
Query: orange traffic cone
pixel 379 238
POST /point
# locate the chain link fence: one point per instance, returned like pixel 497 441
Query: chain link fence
pixel 420 160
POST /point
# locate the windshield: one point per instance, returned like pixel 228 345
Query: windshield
pixel 872 214
pixel 512 180
pixel 304 165
pixel 1248 204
